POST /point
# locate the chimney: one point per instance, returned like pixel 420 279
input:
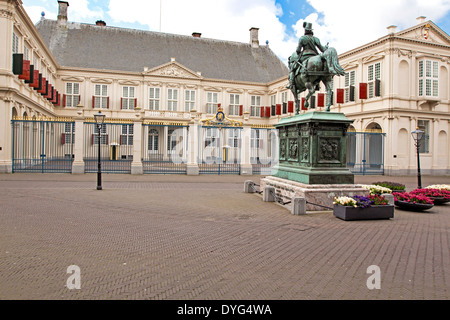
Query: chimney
pixel 62 13
pixel 420 19
pixel 391 29
pixel 100 23
pixel 254 37
pixel 196 34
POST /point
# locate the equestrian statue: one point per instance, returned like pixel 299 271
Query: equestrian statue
pixel 307 68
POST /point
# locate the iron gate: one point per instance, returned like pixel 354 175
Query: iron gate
pixel 263 150
pixel 365 152
pixel 42 145
pixel 116 147
pixel 219 150
pixel 165 149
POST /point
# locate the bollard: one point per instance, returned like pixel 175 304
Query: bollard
pixel 268 194
pixel 298 206
pixel 389 197
pixel 248 186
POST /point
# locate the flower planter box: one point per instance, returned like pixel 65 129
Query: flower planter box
pixel 439 200
pixel 409 206
pixel 358 213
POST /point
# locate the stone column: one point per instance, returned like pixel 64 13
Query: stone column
pixel 192 164
pixel 136 164
pixel 78 162
pixel 246 166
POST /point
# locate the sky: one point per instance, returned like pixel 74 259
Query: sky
pixel 344 24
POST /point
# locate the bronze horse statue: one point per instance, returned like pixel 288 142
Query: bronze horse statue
pixel 319 68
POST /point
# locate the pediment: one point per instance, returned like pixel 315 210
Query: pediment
pixel 172 69
pixel 72 79
pixel 427 32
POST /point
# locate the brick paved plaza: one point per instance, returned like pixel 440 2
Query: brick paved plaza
pixel 184 237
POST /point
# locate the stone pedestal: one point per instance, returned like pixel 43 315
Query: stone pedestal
pixel 313 148
pixel 319 197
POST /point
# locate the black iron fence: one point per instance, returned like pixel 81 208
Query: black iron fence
pixel 42 145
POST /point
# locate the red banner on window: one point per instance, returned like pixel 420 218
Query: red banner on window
pixel 363 90
pixel 26 70
pixel 321 99
pixel 290 106
pixel 339 95
pixel 267 112
pixel 303 104
pixel 278 109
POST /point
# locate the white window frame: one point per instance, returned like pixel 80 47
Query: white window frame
pixel 255 106
pixel 72 94
pixel 103 134
pixel 373 74
pixel 128 98
pixel 189 100
pixel 172 99
pixel 212 99
pixel 154 98
pixel 428 78
pixel 234 104
pixel 101 96
pixel 127 135
pixel 69 132
pixel 153 141
pixel 424 125
pixel 349 80
pixel 15 43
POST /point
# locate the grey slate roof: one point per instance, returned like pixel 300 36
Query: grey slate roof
pixel 119 49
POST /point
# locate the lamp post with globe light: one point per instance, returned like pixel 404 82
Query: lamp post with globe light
pixel 417 136
pixel 99 120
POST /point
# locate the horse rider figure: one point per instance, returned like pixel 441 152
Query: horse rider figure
pixel 306 49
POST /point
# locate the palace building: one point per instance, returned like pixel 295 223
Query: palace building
pixel 192 105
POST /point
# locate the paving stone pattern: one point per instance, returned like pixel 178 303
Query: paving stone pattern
pixel 178 237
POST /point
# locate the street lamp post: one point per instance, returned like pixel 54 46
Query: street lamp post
pixel 417 136
pixel 99 120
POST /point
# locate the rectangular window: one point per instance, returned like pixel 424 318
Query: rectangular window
pixel 212 137
pixel 172 99
pixel 234 104
pixel 126 138
pixel 26 53
pixel 373 73
pixel 211 102
pixel 69 132
pixel 128 99
pixel 104 136
pixel 428 78
pixel 189 100
pixel 154 96
pixel 15 43
pixel 72 94
pixel 424 125
pixel 233 138
pixel 349 81
pixel 101 96
pixel 255 106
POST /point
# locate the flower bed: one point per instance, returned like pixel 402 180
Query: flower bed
pixel 394 186
pixel 375 189
pixel 362 208
pixel 412 202
pixel 438 196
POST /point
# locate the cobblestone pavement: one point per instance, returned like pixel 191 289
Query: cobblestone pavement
pixel 179 237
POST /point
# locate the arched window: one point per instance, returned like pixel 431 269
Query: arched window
pixel 153 141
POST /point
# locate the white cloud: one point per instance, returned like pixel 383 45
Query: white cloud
pixel 34 12
pixel 218 19
pixel 347 24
